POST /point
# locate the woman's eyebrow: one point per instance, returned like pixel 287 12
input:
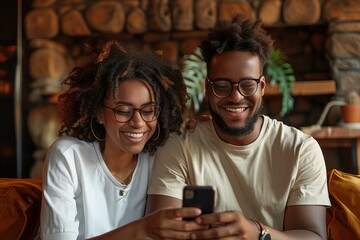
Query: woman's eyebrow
pixel 130 104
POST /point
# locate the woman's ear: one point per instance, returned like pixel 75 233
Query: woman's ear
pixel 99 114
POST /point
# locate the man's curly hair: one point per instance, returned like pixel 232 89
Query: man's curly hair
pixel 88 86
pixel 239 34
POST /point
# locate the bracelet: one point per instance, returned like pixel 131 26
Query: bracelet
pixel 264 233
pixel 258 225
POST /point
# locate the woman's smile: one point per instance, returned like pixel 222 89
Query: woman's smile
pixel 135 137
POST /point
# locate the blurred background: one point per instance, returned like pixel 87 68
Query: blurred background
pixel 41 40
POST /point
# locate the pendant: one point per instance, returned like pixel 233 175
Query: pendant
pixel 122 192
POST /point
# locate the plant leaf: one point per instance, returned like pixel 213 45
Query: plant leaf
pixel 282 73
pixel 194 73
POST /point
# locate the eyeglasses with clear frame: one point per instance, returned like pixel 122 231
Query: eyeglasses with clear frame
pixel 124 113
pixel 223 87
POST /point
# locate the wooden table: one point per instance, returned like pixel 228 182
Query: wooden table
pixel 341 137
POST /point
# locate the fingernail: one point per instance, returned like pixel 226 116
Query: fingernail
pixel 198 220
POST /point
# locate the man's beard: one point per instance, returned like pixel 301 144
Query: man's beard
pixel 236 131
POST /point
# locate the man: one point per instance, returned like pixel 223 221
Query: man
pixel 270 178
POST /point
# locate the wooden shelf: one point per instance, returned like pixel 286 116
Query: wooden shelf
pixel 341 137
pixel 305 88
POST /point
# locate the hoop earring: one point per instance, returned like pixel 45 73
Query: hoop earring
pixel 92 131
pixel 158 132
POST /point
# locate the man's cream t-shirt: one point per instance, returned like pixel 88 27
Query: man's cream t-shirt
pixel 282 167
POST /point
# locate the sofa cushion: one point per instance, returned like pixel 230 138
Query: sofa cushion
pixel 20 204
pixel 343 217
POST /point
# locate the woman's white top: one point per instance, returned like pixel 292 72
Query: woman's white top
pixel 81 198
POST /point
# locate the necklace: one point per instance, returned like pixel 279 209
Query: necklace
pixel 128 179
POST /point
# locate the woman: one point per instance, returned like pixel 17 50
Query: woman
pixel 115 113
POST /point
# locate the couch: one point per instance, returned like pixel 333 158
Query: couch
pixel 20 203
pixel 343 217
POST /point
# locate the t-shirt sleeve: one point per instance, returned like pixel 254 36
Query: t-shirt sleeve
pixel 59 218
pixel 310 187
pixel 170 171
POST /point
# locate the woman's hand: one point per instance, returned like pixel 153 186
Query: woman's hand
pixel 167 224
pixel 189 124
pixel 164 224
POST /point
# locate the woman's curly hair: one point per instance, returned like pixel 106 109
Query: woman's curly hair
pixel 239 34
pixel 88 86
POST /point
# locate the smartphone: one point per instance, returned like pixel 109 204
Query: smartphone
pixel 202 197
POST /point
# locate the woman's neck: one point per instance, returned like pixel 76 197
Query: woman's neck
pixel 122 166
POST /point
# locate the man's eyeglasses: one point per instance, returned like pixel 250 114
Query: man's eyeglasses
pixel 123 113
pixel 222 88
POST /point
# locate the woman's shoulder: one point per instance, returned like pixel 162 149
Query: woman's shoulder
pixel 145 163
pixel 65 143
pixel 66 140
pixel 70 150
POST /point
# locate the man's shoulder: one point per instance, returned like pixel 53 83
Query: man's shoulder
pixel 279 126
pixel 202 129
pixel 201 135
pixel 278 129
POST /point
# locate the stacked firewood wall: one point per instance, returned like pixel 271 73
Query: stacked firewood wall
pixel 176 26
pixel 55 32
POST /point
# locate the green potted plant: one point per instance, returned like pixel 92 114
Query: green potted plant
pixel 351 110
pixel 279 72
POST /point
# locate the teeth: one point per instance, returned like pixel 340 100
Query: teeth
pixel 134 135
pixel 235 109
